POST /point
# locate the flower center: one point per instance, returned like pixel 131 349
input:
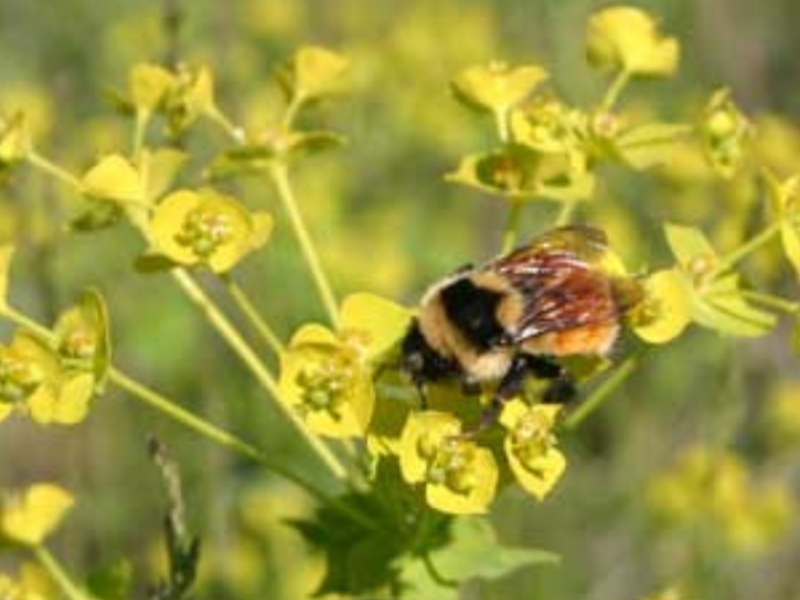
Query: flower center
pixel 449 464
pixel 204 231
pixel 532 439
pixel 323 384
pixel 18 378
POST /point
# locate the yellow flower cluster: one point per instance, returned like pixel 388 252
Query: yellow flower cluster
pixel 54 380
pixel 713 490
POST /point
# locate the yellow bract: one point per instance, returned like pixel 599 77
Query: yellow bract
pixel 530 446
pixel 378 322
pixel 666 310
pixel 190 97
pixel 148 85
pixel 314 72
pixel 498 87
pixel 113 178
pixel 624 38
pixel 459 476
pixel 208 228
pixel 28 518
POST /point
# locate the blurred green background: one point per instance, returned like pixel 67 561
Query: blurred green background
pixel 386 221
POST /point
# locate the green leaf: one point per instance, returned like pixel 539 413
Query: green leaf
pixel 256 158
pixel 650 145
pixel 722 307
pixel 466 555
pixel 97 216
pixel 689 246
pixel 113 581
pixel 6 255
pixel 152 262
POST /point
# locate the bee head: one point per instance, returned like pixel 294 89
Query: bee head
pixel 419 360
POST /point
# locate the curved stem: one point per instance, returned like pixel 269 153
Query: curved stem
pixel 52 169
pixel 252 315
pixel 730 260
pixel 280 178
pixel 58 574
pixel 602 393
pixel 512 224
pixel 257 368
pixel 290 114
pixel 193 422
pixel 501 120
pixel 770 301
pixel 566 212
pixel 614 90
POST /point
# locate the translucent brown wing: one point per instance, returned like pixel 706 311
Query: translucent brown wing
pixel 560 281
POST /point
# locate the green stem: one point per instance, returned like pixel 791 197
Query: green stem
pixel 257 368
pixel 219 436
pixel 728 261
pixel 280 178
pixel 512 224
pixel 501 120
pixel 234 132
pixel 191 421
pixel 601 394
pixel 52 169
pixel 58 574
pixel 770 301
pixel 614 90
pixel 139 132
pixel 252 315
pixel 290 114
pixel 566 212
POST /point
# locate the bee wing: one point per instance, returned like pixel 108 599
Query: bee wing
pixel 559 281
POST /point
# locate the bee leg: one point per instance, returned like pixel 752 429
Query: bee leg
pixel 510 386
pixel 560 391
pixel 470 387
pixel 562 388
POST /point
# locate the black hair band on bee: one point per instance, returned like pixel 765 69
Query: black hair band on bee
pixel 473 309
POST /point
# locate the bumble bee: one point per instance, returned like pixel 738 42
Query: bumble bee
pixel 564 294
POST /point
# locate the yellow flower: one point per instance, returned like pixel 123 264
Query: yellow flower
pixel 29 517
pixel 726 132
pixel 624 38
pixel 190 96
pixel 327 376
pixel 148 85
pixel 459 476
pixel 313 72
pixel 327 381
pixel 530 446
pixel 206 228
pixel 666 310
pixel 497 87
